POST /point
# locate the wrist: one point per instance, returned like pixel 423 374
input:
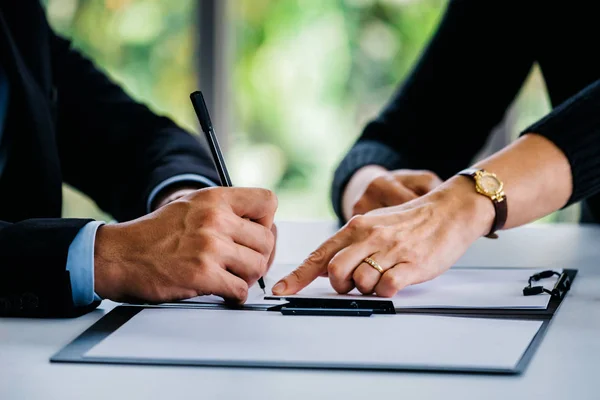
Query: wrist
pixel 108 273
pixel 357 185
pixel 471 210
pixel 169 195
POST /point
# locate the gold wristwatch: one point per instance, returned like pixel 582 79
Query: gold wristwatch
pixel 488 184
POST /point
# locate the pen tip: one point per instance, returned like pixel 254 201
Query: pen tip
pixel 264 291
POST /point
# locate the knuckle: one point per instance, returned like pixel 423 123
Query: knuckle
pixel 200 271
pixel 357 223
pixel 215 219
pixel 201 260
pixel 267 197
pixel 271 199
pixel 189 262
pixel 334 269
pixel 203 263
pixel 190 273
pixel 212 245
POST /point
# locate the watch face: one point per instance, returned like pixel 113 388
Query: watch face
pixel 490 184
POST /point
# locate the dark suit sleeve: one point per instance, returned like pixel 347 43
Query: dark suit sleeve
pixel 34 280
pixel 459 90
pixel 112 148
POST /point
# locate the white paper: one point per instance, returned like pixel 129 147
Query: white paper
pixel 231 337
pixel 457 288
pixel 484 288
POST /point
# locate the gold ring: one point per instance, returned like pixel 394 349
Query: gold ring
pixel 374 264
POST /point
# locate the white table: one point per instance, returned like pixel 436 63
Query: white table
pixel 564 367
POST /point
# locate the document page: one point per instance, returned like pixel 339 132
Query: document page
pixel 457 288
pixel 484 288
pixel 232 337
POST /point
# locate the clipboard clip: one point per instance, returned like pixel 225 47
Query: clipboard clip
pixel 562 285
pixel 333 307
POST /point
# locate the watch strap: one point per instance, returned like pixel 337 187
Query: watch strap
pixel 501 216
pixel 500 205
pixel 470 172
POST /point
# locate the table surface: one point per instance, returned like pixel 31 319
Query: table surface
pixel 563 367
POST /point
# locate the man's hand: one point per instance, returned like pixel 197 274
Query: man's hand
pixel 170 196
pixel 374 187
pixel 212 241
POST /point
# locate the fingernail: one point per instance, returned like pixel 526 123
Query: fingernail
pixel 279 287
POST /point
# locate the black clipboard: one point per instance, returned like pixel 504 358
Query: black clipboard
pixel 75 351
pixel 320 305
pixel 515 313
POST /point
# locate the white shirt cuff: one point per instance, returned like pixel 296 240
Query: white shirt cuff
pixel 80 264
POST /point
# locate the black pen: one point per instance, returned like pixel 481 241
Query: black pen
pixel 206 124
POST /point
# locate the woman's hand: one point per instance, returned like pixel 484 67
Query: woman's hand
pixel 412 243
pixel 374 187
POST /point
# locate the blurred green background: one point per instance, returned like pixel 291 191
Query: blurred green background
pixel 306 75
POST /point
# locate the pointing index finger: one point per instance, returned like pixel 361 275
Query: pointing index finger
pixel 313 267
